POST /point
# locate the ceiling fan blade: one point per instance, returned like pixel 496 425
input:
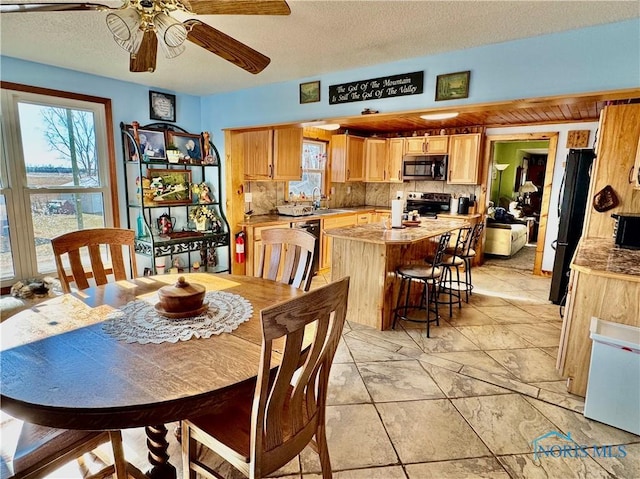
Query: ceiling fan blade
pixel 50 7
pixel 145 59
pixel 228 48
pixel 238 7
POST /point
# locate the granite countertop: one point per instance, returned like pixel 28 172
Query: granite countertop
pixel 375 232
pixel 267 220
pixel 599 256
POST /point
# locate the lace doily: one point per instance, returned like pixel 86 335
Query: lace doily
pixel 139 322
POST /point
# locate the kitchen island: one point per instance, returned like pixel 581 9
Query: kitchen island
pixel 370 255
pixel 605 283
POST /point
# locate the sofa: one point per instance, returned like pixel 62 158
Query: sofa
pixel 505 239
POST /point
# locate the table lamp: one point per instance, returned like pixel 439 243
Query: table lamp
pixel 500 167
pixel 526 189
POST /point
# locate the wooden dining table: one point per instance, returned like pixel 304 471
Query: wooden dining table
pixel 60 368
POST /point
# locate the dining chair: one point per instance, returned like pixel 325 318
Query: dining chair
pixel 287 256
pixel 261 433
pixel 29 451
pixel 72 244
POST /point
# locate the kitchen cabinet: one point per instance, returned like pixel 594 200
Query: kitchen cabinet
pixel 426 145
pixel 254 245
pixel 273 154
pixel 347 158
pixel 395 147
pixel 464 159
pixel 364 218
pixel 375 159
pixel 156 200
pixel 333 222
pixel 617 153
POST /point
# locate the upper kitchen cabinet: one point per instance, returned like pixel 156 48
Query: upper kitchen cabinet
pixel 426 145
pixel 347 158
pixel 617 152
pixel 375 159
pixel 464 159
pixel 395 148
pixel 273 154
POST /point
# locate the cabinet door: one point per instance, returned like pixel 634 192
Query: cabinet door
pixel 414 145
pixel 326 241
pixel 394 165
pixel 287 154
pixel 464 159
pixel 375 159
pixel 436 145
pixel 355 158
pixel 258 154
pixel 347 158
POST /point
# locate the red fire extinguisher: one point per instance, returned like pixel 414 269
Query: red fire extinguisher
pixel 240 255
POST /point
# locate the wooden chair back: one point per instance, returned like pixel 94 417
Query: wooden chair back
pixel 287 256
pixel 290 410
pixel 71 244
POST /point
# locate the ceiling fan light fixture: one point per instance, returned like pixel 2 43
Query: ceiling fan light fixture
pixel 440 116
pixel 133 44
pixel 123 25
pixel 169 51
pixel 169 30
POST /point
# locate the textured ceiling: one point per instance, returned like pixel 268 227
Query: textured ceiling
pixel 318 37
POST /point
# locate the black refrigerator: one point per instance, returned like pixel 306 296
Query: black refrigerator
pixel 572 206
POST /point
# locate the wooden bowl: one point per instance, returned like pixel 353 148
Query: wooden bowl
pixel 181 297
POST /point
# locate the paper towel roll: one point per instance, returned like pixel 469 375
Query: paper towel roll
pixel 396 213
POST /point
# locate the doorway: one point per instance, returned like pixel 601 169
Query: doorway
pixel 513 191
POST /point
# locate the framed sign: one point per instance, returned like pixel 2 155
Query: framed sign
pixel 162 106
pixel 310 92
pixel 452 86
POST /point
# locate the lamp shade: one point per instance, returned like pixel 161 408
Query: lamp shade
pixel 501 166
pixel 123 25
pixel 528 187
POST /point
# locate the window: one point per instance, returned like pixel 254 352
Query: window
pixel 56 176
pixel 314 166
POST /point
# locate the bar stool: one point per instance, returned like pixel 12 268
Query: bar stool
pixel 428 276
pixel 450 262
pixel 467 252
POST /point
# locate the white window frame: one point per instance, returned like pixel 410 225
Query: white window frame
pixel 14 179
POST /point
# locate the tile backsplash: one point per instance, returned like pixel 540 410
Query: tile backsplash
pixel 269 194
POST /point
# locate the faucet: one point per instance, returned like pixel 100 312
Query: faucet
pixel 316 203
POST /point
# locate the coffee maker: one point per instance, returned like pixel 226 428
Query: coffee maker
pixel 463 205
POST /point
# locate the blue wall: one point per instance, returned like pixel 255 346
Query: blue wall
pixel 598 58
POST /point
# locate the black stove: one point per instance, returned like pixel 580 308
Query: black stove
pixel 428 204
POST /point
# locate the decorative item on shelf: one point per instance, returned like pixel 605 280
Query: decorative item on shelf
pixel 208 158
pixel 189 146
pixel 201 215
pixel 169 187
pixel 203 191
pixel 165 224
pixel 173 154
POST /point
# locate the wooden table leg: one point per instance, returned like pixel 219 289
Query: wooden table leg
pixel 158 456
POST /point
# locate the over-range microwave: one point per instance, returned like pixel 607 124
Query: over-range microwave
pixel 424 168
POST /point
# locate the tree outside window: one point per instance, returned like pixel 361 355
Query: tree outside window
pixel 314 167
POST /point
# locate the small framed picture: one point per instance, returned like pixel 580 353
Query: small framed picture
pixel 162 106
pixel 167 187
pixel 310 92
pixel 152 145
pixel 190 146
pixel 452 86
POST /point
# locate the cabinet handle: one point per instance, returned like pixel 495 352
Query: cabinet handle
pixel 426 147
pixel 384 175
pixel 399 174
pixel 348 174
pixel 270 171
pixel 631 174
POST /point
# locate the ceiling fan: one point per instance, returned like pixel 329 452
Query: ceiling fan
pixel 139 26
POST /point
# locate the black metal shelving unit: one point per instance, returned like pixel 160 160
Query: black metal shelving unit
pixel 203 247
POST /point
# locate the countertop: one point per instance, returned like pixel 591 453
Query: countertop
pixel 599 256
pixel 268 220
pixel 375 232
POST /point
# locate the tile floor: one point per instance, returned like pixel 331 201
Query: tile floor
pixel 467 402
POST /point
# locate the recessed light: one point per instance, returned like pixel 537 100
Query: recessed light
pixel 440 116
